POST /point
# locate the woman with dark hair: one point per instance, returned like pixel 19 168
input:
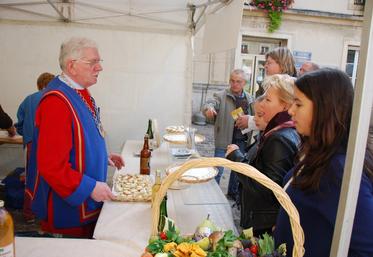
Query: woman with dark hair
pixel 322 115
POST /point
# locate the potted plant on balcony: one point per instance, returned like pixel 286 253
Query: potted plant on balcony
pixel 274 9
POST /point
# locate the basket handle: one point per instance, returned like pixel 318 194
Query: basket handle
pixel 281 195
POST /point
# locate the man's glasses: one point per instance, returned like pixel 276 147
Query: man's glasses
pixel 232 81
pixel 91 63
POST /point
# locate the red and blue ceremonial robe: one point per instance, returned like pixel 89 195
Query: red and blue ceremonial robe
pixel 68 156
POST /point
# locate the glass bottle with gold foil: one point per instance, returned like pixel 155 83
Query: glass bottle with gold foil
pixel 157 184
pixel 6 233
pixel 145 155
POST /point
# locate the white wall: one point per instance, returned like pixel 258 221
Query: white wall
pixel 219 64
pixel 324 38
pixel 325 41
pixel 334 6
pixel 146 75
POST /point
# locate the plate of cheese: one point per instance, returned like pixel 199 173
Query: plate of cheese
pixel 132 188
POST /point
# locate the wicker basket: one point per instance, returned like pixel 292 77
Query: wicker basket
pixel 247 170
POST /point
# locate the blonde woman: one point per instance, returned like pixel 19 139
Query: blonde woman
pixel 280 61
pixel 277 148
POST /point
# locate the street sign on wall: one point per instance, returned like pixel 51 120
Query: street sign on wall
pixel 300 57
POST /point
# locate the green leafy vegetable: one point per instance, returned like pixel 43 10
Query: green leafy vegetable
pixel 282 249
pixel 156 246
pixel 228 238
pixel 223 244
pixel 247 234
pixel 266 245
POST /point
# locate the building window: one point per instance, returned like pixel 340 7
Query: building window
pixel 359 2
pixel 351 62
pixel 357 6
pixel 264 48
pixel 244 48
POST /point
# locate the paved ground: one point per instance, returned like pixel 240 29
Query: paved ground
pixel 206 149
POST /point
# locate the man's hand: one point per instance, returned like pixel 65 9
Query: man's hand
pixel 11 131
pixel 231 148
pixel 210 113
pixel 116 160
pixel 102 192
pixel 242 122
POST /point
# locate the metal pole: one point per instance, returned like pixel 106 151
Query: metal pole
pixel 63 18
pixel 357 140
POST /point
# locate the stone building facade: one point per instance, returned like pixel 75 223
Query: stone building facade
pixel 326 32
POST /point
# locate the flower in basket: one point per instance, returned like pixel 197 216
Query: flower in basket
pixel 274 10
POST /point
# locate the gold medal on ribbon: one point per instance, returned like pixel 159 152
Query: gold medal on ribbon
pixel 101 130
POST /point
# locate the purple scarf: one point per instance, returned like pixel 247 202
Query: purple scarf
pixel 279 121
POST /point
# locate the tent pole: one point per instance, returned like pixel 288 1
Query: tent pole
pixel 63 18
pixel 357 140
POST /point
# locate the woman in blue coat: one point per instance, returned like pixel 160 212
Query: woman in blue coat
pixel 322 115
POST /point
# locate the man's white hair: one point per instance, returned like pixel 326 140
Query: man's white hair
pixel 240 72
pixel 73 48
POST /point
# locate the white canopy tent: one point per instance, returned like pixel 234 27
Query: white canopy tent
pixel 147 50
pixel 146 47
pixel 158 15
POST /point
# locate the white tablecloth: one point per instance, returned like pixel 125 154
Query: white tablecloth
pixel 60 247
pixel 129 223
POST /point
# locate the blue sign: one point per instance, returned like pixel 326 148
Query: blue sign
pixel 300 57
pixel 303 55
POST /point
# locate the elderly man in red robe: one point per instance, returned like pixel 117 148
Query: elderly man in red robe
pixel 69 159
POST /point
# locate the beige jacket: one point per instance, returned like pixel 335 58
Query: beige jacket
pixel 224 103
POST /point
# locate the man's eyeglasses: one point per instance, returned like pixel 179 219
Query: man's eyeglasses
pixel 91 63
pixel 232 81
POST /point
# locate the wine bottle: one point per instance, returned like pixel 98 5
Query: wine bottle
pixel 162 213
pixel 149 131
pixel 145 155
pixel 157 184
pixel 6 233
